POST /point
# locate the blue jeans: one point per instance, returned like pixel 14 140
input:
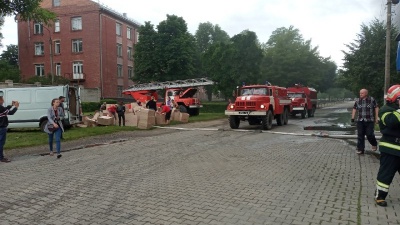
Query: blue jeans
pixel 58 133
pixel 3 134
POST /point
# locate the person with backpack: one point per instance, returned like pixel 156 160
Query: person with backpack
pixel 121 113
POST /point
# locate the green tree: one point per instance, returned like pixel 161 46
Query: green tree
pixel 206 35
pixel 290 59
pixel 230 64
pixel 1 25
pixel 364 61
pixel 9 64
pixel 24 10
pixel 10 55
pixel 166 54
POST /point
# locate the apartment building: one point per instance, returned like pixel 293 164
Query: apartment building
pixel 89 44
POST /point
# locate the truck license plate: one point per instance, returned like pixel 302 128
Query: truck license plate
pixel 243 113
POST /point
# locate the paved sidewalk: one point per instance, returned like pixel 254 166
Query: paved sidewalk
pixel 198 177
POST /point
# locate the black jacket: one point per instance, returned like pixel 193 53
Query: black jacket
pixel 152 105
pixel 389 124
pixel 4 111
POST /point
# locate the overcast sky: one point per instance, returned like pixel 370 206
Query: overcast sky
pixel 328 23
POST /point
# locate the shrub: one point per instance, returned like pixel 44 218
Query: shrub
pixel 90 106
pixel 213 107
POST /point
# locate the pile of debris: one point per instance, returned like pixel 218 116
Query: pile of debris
pixel 135 115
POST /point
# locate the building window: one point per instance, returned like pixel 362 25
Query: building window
pixel 39 70
pixel 57 47
pixel 137 36
pixel 130 53
pixel 58 69
pixel 119 29
pixel 56 3
pixel 76 23
pixel 38 28
pixel 57 25
pixel 39 48
pixel 77 45
pixel 119 70
pixel 119 50
pixel 130 72
pixel 119 91
pixel 129 33
pixel 77 68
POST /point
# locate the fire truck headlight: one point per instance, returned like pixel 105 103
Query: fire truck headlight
pixel 232 106
pixel 262 106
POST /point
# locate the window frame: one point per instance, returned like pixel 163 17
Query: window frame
pixel 57 43
pixel 130 53
pixel 57 25
pixel 79 45
pixel 120 71
pixel 41 70
pixel 76 19
pixel 130 71
pixel 79 66
pixel 39 44
pixel 119 91
pixel 57 67
pixel 58 3
pixel 38 25
pixel 118 25
pixel 129 33
pixel 119 50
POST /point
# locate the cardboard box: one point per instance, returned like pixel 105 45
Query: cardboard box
pixel 176 115
pixel 131 119
pixel 184 117
pixel 105 120
pixel 160 119
pixel 144 126
pixel 146 113
pixel 149 119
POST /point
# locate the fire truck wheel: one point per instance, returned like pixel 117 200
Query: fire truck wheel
pixel 279 119
pixel 234 122
pixel 285 116
pixel 267 121
pixel 310 113
pixel 304 113
pixel 182 109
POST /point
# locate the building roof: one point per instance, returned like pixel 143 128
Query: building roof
pixel 118 15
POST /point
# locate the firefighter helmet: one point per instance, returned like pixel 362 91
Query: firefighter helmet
pixel 393 93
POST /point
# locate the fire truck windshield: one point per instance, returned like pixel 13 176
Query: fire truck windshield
pixel 253 91
pixel 296 95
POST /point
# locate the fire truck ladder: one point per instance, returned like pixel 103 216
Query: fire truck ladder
pixel 170 84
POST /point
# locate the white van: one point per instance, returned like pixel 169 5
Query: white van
pixel 35 101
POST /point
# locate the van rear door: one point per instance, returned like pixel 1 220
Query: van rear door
pixel 72 104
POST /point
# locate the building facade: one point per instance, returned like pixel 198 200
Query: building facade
pixel 89 44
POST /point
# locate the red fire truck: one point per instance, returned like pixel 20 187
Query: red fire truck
pixel 181 91
pixel 304 100
pixel 260 104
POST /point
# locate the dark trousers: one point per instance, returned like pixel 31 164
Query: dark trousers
pixel 3 135
pixel 121 116
pixel 365 129
pixel 389 165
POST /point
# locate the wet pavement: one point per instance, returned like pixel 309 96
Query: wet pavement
pixel 207 174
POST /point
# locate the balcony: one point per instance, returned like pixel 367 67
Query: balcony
pixel 75 77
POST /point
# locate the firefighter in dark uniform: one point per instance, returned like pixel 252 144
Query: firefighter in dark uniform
pixel 389 145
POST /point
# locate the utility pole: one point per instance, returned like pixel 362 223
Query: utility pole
pixel 388 40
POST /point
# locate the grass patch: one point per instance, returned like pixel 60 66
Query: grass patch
pixel 19 138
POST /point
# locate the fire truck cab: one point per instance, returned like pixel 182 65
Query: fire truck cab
pixel 260 104
pixel 304 100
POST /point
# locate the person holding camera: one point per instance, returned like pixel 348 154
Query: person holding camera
pixel 4 111
pixel 54 125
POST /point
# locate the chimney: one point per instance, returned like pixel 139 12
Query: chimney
pixel 124 14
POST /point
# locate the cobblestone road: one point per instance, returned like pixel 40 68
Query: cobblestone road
pixel 198 177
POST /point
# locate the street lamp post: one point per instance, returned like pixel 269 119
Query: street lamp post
pixel 51 55
pixel 387 53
